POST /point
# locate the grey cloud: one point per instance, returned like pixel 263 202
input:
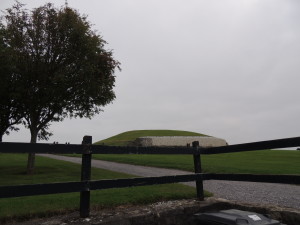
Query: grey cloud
pixel 225 68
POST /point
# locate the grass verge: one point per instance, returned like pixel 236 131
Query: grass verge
pixel 12 167
pixel 256 162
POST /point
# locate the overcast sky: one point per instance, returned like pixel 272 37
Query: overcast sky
pixel 226 68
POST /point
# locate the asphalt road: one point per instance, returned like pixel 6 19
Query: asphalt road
pixel 282 195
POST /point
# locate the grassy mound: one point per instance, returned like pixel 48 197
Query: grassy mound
pixel 126 138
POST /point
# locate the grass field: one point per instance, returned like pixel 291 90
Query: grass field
pixel 257 162
pixel 12 172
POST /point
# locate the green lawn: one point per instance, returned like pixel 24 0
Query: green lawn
pixel 256 162
pixel 12 172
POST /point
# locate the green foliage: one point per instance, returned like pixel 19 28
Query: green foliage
pixel 61 65
pixel 256 162
pixel 10 113
pixel 50 170
pixel 126 138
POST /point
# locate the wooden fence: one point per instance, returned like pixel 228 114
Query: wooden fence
pixel 87 149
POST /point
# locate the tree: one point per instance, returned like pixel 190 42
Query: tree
pixel 10 113
pixel 62 66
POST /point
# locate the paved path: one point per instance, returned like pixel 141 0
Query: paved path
pixel 258 193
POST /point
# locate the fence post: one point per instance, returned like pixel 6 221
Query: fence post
pixel 86 176
pixel 198 169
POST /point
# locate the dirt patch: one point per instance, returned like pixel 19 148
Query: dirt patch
pixel 178 212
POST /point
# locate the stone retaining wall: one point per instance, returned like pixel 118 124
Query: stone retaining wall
pixel 176 141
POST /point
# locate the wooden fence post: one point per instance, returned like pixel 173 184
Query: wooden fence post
pixel 86 176
pixel 198 169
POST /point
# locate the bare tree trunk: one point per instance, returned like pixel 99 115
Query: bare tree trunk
pixel 31 156
pixel 2 132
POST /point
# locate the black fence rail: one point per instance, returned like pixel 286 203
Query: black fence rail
pixel 87 149
pixel 12 147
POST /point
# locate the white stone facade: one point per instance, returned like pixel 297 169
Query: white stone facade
pixel 176 141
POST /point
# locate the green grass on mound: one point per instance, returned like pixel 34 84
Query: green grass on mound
pixel 126 138
pixel 12 172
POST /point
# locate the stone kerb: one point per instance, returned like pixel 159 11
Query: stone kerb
pixel 176 141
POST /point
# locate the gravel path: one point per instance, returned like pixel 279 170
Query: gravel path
pixel 282 195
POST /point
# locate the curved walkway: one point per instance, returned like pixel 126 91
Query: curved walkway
pixel 282 195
